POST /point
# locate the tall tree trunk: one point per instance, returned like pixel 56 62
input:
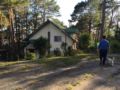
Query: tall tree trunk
pixel 110 23
pixel 11 33
pixel 117 27
pixel 103 19
pixel 26 16
pixel 17 36
pixel 90 25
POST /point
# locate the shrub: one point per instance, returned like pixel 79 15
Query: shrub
pixel 70 51
pixel 64 48
pixel 117 34
pixel 42 46
pixel 51 54
pixel 30 56
pixel 57 52
pixel 93 47
pixel 84 41
pixel 115 46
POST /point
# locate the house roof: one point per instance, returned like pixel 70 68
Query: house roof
pixel 43 25
pixel 71 30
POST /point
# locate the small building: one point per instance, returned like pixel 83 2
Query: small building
pixel 54 34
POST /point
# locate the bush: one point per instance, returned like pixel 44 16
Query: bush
pixel 64 48
pixel 84 41
pixel 41 45
pixel 93 47
pixel 51 54
pixel 115 46
pixel 57 52
pixel 30 56
pixel 70 51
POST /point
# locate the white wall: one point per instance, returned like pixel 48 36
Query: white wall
pixel 53 32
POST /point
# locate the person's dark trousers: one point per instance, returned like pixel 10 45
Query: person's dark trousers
pixel 103 56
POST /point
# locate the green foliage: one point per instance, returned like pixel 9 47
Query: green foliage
pixel 92 49
pixel 96 14
pixel 51 5
pixel 71 52
pixel 45 8
pixel 92 46
pixel 13 3
pixel 87 15
pixel 84 41
pixel 63 45
pixel 115 46
pixel 5 10
pixel 79 10
pixel 30 56
pixel 56 62
pixel 64 48
pixel 82 24
pixel 117 34
pixel 57 52
pixel 4 20
pixel 50 55
pixel 58 23
pixel 41 45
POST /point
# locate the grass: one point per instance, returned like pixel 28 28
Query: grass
pixel 73 84
pixel 87 76
pixel 9 63
pixel 56 62
pixel 3 64
pixel 69 87
pixel 53 62
pixel 21 68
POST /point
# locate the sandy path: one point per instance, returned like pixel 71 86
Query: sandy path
pixel 84 76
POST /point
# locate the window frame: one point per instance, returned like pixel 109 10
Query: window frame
pixel 57 38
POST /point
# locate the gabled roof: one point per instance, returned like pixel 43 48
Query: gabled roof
pixel 43 25
pixel 71 30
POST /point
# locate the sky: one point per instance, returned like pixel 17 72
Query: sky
pixel 66 9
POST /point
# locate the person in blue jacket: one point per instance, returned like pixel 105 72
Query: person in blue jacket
pixel 103 48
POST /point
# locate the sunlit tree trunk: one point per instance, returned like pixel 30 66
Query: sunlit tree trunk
pixel 11 32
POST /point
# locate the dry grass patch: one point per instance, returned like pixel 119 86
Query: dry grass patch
pixel 56 62
pixel 72 85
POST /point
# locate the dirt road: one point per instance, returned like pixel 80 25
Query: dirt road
pixel 87 75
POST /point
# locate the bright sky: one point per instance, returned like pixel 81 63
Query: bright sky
pixel 66 9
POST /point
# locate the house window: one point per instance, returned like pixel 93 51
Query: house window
pixel 57 38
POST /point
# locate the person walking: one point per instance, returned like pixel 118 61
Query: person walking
pixel 103 49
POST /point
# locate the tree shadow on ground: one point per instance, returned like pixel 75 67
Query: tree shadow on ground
pixel 37 77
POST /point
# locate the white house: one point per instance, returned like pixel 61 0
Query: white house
pixel 54 34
